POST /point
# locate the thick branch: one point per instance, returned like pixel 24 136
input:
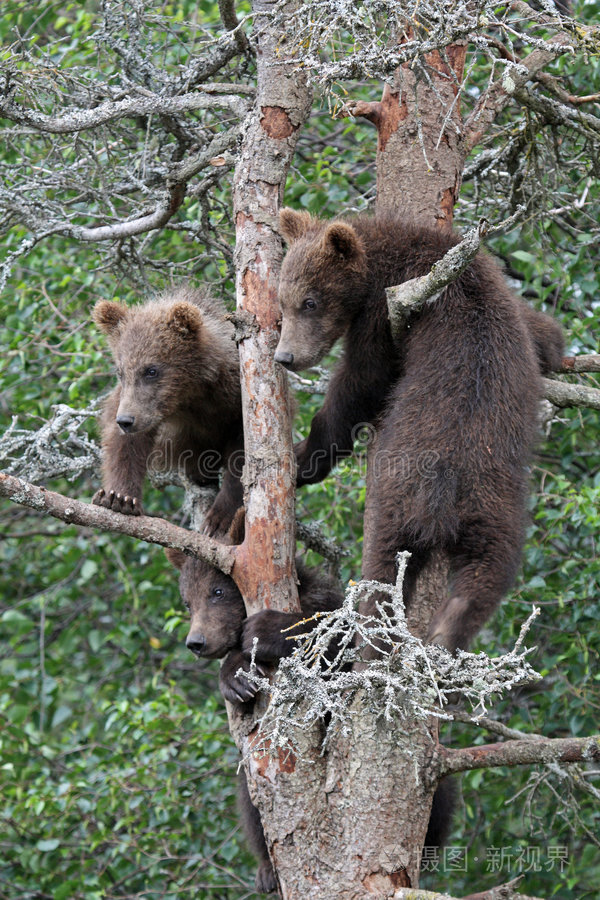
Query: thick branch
pixel 145 528
pixel 586 362
pixel 84 119
pixel 501 892
pixel 562 394
pixel 520 753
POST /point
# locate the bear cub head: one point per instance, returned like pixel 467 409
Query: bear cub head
pixel 162 351
pixel 216 607
pixel 323 280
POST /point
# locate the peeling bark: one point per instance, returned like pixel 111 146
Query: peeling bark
pixel 264 569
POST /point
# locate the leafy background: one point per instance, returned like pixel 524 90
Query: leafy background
pixel 117 773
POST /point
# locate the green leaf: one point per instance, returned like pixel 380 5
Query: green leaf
pixel 48 844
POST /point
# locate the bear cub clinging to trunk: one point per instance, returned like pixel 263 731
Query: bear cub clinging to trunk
pixel 219 628
pixel 454 398
pixel 177 404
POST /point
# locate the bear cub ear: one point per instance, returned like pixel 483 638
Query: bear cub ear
pixel 108 315
pixel 176 557
pixel 293 224
pixel 341 239
pixel 185 319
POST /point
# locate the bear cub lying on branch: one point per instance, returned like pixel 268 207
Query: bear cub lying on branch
pixel 454 398
pixel 177 404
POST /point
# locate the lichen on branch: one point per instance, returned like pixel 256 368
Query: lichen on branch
pixel 409 680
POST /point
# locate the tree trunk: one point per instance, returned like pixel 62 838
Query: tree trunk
pixel 349 823
pixel 264 568
pixel 420 151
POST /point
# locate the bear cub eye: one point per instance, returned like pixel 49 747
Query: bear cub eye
pixel 151 372
pixel 218 593
pixel 309 304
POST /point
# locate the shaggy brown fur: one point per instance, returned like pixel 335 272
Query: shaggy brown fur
pixel 219 628
pixel 177 405
pixel 455 405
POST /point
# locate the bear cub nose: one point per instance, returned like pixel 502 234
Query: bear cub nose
pixel 196 643
pixel 286 359
pixel 125 423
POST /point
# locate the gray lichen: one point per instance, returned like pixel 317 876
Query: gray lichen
pixel 60 448
pixel 409 680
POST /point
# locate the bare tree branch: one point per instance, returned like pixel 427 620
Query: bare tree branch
pixel 145 528
pixel 586 362
pixel 501 892
pixel 514 77
pixel 78 120
pixel 520 753
pixel 556 113
pixel 563 395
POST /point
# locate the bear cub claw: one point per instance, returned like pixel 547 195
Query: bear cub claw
pixel 235 687
pixel 128 506
pixel 265 882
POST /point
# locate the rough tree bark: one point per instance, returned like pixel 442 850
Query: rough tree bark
pixel 264 569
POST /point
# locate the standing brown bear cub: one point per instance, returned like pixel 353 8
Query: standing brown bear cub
pixel 454 399
pixel 177 404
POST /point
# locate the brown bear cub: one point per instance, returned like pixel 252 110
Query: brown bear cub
pixel 219 628
pixel 454 399
pixel 177 404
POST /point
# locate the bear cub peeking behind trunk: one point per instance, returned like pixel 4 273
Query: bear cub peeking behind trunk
pixel 219 628
pixel 177 405
pixel 454 399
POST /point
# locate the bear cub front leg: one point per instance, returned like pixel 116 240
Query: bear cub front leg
pixel 233 685
pixel 270 628
pixel 124 462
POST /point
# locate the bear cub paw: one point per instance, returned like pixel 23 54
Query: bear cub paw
pixel 122 503
pixel 235 687
pixel 265 882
